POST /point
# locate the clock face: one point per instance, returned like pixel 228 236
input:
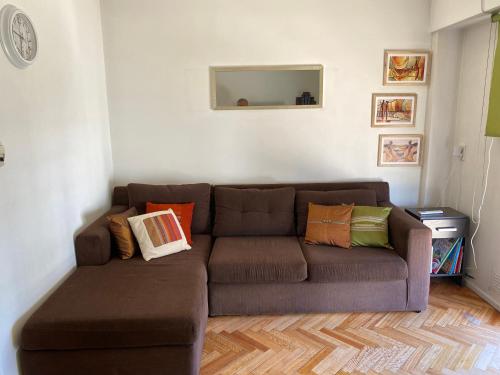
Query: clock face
pixel 24 37
pixel 17 36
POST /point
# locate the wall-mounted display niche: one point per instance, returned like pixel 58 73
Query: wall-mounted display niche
pixel 266 87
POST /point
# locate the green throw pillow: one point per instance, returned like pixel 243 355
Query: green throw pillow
pixel 369 226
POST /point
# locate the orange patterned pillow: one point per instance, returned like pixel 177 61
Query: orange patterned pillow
pixel 158 234
pixel 183 211
pixel 329 225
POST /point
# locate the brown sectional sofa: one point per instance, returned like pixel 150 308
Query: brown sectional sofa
pixel 135 317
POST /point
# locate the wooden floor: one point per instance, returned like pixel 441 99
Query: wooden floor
pixel 458 334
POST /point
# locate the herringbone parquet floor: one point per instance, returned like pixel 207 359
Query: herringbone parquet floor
pixel 458 334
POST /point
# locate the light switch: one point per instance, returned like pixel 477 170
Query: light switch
pixel 2 155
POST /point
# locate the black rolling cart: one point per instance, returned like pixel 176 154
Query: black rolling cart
pixel 448 227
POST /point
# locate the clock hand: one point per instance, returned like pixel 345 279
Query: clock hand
pixel 19 35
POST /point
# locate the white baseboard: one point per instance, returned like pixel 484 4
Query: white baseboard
pixel 484 295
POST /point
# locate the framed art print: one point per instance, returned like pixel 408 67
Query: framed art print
pixel 410 67
pixel 394 110
pixel 400 150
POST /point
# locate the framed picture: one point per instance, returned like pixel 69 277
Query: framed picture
pixel 394 110
pixel 410 67
pixel 400 150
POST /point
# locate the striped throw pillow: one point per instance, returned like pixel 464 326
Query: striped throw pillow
pixel 369 226
pixel 158 234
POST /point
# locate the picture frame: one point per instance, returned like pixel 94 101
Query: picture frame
pixel 400 150
pixel 407 67
pixel 394 110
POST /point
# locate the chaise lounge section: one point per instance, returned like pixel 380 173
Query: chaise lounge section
pixel 126 317
pixel 114 316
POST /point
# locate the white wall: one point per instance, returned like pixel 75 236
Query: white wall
pixel 449 12
pixel 54 124
pixel 470 131
pixel 445 13
pixel 471 58
pixel 441 116
pixel 158 55
pixel 491 4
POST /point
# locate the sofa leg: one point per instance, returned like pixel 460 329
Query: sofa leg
pixel 418 311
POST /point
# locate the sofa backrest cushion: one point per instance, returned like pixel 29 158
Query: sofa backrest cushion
pixel 140 194
pixel 253 212
pixel 360 197
pixel 120 196
pixel 381 188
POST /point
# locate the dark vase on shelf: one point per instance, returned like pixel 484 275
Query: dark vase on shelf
pixel 305 99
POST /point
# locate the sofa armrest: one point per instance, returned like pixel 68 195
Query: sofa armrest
pixel 93 244
pixel 412 240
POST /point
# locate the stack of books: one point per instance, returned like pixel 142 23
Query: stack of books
pixel 447 255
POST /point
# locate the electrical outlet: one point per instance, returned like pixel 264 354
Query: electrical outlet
pixel 2 155
pixel 459 152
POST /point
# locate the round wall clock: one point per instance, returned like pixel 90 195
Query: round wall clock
pixel 17 36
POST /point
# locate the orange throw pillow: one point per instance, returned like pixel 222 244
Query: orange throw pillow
pixel 329 225
pixel 120 228
pixel 183 211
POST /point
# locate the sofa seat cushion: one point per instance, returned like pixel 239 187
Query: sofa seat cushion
pixel 196 257
pixel 333 264
pixel 198 254
pixel 114 306
pixel 257 260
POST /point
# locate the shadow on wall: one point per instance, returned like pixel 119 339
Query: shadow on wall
pixel 254 161
pixel 89 216
pixel 309 164
pixel 86 218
